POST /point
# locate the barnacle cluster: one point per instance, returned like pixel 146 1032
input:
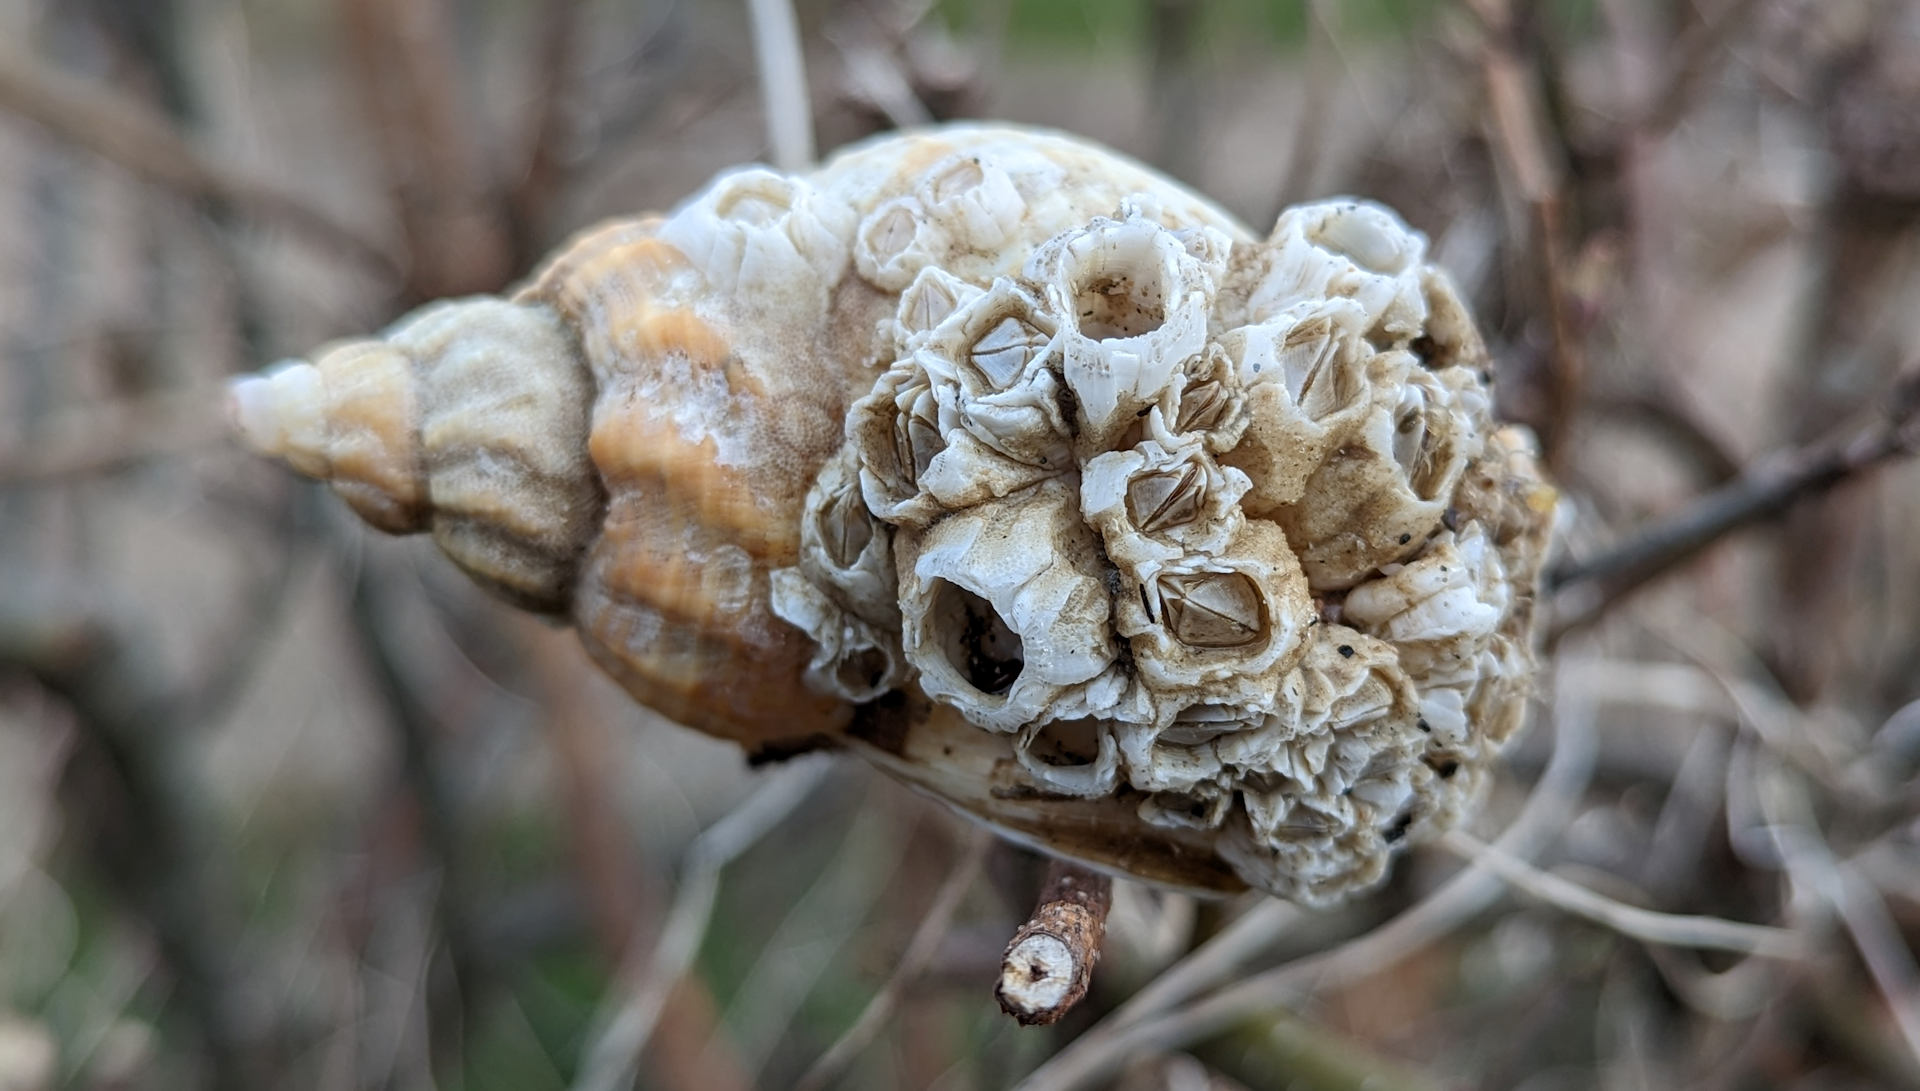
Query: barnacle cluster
pixel 1223 532
pixel 1008 464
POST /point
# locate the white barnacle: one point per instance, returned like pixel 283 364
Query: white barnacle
pixel 896 432
pixel 895 243
pixel 931 299
pixel 1348 249
pixel 1075 755
pixel 1157 502
pixel 1004 607
pixel 973 199
pixel 1442 609
pixel 766 240
pixel 842 593
pixel 1134 305
pixel 999 346
pixel 1207 399
pixel 1308 383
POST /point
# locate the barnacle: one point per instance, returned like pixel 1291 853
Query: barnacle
pixel 1010 465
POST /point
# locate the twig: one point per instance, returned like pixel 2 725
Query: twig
pixel 1049 962
pixel 1314 1058
pixel 1706 933
pixel 1583 591
pixel 926 939
pixel 1697 53
pixel 105 436
pixel 613 1055
pixel 406 71
pixel 1213 961
pixel 1804 854
pixel 783 83
pixel 876 78
pixel 417 726
pixel 549 126
pixel 148 833
pixel 606 859
pixel 1514 116
pixel 1312 115
pixel 1549 806
pixel 131 136
pixel 822 920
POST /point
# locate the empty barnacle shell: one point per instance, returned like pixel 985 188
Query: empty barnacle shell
pixel 1010 465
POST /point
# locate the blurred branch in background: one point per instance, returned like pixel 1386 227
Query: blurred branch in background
pixel 1767 489
pixel 131 137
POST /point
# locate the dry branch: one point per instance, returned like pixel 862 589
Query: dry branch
pixel 1583 591
pixel 407 73
pixel 1706 933
pixel 544 168
pixel 647 979
pixel 131 136
pixel 826 1071
pixel 1049 963
pixel 1520 138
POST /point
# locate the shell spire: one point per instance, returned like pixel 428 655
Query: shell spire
pixel 1192 554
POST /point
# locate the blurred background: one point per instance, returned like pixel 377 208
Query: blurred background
pixel 286 803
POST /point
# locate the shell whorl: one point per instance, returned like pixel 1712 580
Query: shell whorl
pixel 466 419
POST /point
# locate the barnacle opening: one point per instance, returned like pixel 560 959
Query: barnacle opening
pixel 976 641
pixel 845 526
pixel 1311 366
pixel 1120 290
pixel 1202 405
pixel 756 199
pixel 957 179
pixel 1067 743
pixel 863 671
pixel 1420 445
pixel 1367 236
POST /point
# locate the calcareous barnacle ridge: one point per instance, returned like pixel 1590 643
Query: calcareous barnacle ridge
pixel 1009 464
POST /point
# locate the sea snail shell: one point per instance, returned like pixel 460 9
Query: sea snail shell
pixel 1017 468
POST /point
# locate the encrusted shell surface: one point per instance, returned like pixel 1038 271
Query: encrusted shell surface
pixel 1009 463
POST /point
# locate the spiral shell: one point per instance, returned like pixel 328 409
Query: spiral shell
pixel 1009 464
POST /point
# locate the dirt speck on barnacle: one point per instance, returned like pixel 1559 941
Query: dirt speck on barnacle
pixel 1124 471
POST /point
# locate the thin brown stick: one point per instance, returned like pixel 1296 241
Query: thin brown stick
pixel 1583 591
pixel 608 861
pixel 826 1071
pixel 1697 54
pixel 549 126
pixel 105 436
pixel 1519 138
pixel 406 71
pixel 133 137
pixel 1049 963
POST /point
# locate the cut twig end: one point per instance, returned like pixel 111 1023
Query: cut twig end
pixel 1049 963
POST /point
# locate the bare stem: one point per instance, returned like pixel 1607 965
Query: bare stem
pixel 783 83
pixel 826 1071
pixel 1049 964
pixel 1583 591
pixel 129 135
